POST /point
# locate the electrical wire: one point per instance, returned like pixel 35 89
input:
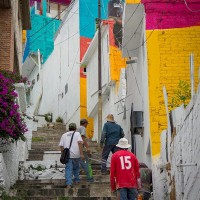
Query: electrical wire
pixel 134 32
pixel 195 11
pixel 146 39
pixel 48 22
pixel 128 19
pixel 89 9
pixel 73 63
pixel 74 33
pixel 70 6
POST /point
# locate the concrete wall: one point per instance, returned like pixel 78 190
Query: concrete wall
pixel 61 68
pixel 92 73
pixel 185 150
pixel 113 87
pixel 177 176
pixel 137 94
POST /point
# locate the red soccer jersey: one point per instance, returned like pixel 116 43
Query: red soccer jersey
pixel 124 170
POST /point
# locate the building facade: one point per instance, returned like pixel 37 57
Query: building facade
pixel 12 22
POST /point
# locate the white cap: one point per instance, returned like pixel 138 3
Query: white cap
pixel 123 143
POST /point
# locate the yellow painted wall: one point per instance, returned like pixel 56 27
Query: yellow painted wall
pixel 133 1
pixel 168 62
pixel 116 63
pixel 23 36
pixel 83 107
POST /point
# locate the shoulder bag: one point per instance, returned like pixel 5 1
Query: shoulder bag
pixel 64 158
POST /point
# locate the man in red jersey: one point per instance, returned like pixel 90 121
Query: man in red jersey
pixel 124 172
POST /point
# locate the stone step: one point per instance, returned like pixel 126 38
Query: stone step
pixel 92 191
pixel 81 185
pixel 49 131
pixel 53 144
pixel 56 139
pixel 59 198
pixel 35 156
pixel 46 138
pixel 56 126
pixel 59 182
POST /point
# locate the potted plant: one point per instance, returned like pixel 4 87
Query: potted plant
pixel 59 120
pixel 48 117
pixel 12 125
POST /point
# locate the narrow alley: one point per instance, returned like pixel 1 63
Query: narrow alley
pixel 128 69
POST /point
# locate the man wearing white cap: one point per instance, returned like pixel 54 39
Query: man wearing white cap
pixel 124 172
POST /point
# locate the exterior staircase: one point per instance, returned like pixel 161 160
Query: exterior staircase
pixel 43 176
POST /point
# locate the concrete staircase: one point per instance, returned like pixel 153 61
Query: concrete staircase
pixel 43 176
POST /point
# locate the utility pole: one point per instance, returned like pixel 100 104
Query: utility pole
pixel 99 74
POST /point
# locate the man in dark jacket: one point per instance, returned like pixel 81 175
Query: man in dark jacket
pixel 111 134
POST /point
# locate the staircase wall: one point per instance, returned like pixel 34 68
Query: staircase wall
pixel 185 150
pixel 9 163
pixel 177 177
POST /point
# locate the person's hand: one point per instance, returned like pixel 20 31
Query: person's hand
pixel 89 153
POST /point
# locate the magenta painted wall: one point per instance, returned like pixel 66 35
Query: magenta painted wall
pixel 167 15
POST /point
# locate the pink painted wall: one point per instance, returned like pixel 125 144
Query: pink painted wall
pixel 167 15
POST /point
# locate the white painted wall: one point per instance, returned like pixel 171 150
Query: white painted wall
pixel 92 72
pixel 137 93
pixel 110 92
pixel 61 68
pixel 14 152
pixel 185 147
pixel 184 150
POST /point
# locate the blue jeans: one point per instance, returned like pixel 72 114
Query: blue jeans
pixel 85 165
pixel 72 169
pixel 106 151
pixel 127 193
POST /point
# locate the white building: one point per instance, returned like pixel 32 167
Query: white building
pixel 124 98
pixel 137 75
pixel 55 87
pixel 111 92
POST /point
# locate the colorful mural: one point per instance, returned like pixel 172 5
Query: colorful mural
pixel 41 35
pixel 173 33
pixel 88 16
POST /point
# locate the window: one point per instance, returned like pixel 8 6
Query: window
pixel 84 70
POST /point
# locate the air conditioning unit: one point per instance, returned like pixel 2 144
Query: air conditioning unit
pixel 137 123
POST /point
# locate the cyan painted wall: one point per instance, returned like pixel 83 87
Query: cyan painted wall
pixel 88 14
pixel 41 35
